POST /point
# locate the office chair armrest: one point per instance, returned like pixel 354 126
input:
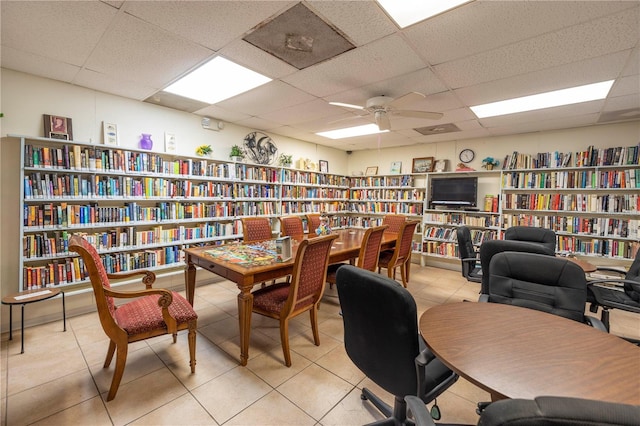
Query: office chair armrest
pixel 614 281
pixel 483 298
pixel 595 323
pixel 609 269
pixel 424 358
pixel 421 416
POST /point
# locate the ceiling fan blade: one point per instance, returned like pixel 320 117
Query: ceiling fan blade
pixel 419 114
pixel 406 100
pixel 340 104
pixel 382 120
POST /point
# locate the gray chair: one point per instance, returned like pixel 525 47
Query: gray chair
pixel 548 284
pixel 469 256
pixel 543 411
pixel 381 338
pixel 544 236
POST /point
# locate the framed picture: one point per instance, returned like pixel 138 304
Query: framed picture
pixel 422 165
pixel 169 142
pixel 440 166
pixel 372 170
pixel 57 127
pixel 324 166
pixel 110 133
pixel 396 167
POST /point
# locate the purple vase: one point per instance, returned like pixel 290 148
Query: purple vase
pixel 145 141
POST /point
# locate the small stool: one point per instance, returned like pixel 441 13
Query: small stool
pixel 31 296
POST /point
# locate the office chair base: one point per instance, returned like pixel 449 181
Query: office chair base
pixel 396 415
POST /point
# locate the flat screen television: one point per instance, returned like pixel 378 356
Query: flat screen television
pixel 458 192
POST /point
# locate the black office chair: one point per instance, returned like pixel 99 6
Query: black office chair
pixel 620 293
pixel 543 411
pixel 381 338
pixel 489 248
pixel 469 257
pixel 546 237
pixel 549 284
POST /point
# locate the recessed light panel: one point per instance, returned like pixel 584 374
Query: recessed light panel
pixel 217 80
pixel 408 12
pixel 367 129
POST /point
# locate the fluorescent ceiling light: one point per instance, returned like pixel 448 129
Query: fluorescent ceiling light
pixel 408 12
pixel 217 80
pixel 572 95
pixel 367 129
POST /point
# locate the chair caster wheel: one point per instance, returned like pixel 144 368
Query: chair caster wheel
pixel 363 397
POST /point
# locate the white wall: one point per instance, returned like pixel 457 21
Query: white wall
pixel 25 98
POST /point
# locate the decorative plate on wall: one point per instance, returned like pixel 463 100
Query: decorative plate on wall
pixel 260 148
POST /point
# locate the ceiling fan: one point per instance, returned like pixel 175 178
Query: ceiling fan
pixel 383 107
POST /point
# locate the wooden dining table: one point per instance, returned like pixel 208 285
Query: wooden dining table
pixel 246 276
pixel 516 352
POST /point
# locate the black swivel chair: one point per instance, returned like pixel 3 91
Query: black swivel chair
pixel 549 284
pixel 381 338
pixel 546 237
pixel 620 293
pixel 469 257
pixel 544 411
pixel 489 248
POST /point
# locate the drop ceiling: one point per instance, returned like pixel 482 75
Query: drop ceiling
pixel 481 52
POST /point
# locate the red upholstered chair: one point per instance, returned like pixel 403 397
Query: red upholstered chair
pixel 256 229
pixel 368 255
pixel 394 222
pixel 153 312
pixel 313 222
pixel 283 301
pixel 401 255
pixel 291 226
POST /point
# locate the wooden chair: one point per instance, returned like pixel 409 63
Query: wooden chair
pixel 283 301
pixel 291 226
pixel 154 312
pixel 256 229
pixel 368 255
pixel 313 222
pixel 394 222
pixel 401 255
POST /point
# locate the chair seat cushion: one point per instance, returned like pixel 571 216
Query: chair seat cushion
pixel 615 298
pixel 385 258
pixel 143 315
pixel 331 271
pixel 271 298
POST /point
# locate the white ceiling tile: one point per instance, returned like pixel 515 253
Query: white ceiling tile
pixel 271 96
pixel 381 59
pixel 626 86
pixel 258 60
pixel 627 102
pixel 315 109
pixel 633 64
pixel 137 51
pixel 547 114
pixel 551 124
pixel 592 39
pixel 24 61
pixel 223 114
pixel 108 84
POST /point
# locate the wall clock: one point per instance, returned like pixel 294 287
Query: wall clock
pixel 467 155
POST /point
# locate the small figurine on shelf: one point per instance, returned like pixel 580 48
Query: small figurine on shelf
pixel 324 228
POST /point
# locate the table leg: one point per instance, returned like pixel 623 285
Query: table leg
pixel 190 279
pixel 22 330
pixel 245 303
pixel 10 322
pixel 64 313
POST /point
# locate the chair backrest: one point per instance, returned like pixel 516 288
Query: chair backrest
pixel 256 229
pixel 370 249
pixel 394 222
pixel 489 248
pixel 544 236
pixel 309 273
pixel 404 243
pixel 466 249
pixel 550 284
pixel 559 411
pixel 313 222
pixel 633 274
pixel 99 280
pixel 380 328
pixel 291 226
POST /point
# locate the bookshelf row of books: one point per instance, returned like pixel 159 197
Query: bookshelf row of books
pixel 410 194
pixel 298 207
pixel 587 203
pixel 313 178
pixel 595 247
pixel 580 179
pixel 291 191
pixel 615 156
pixel 468 219
pixel 440 248
pixel 596 227
pixel 382 181
pixel 385 207
pixel 64 271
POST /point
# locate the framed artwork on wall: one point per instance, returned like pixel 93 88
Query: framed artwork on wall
pixel 422 165
pixel 110 133
pixel 371 171
pixel 396 167
pixel 324 166
pixel 57 127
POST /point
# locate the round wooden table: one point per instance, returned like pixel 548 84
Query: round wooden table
pixel 31 296
pixel 515 352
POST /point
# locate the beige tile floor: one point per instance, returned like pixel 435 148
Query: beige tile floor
pixel 59 380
